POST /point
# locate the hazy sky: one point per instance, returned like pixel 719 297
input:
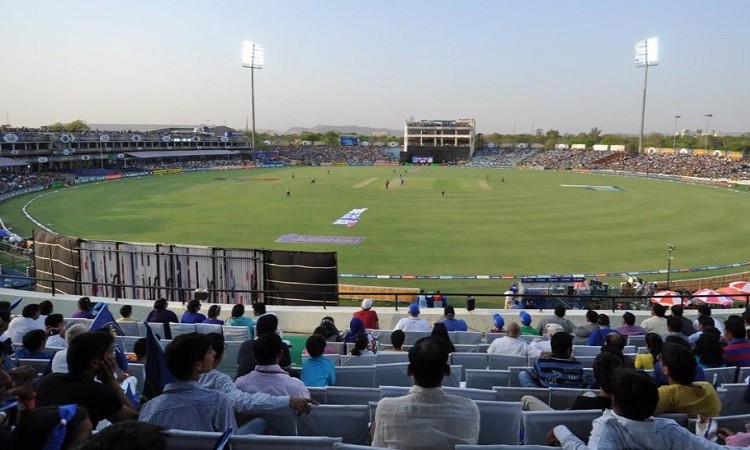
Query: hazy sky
pixel 567 65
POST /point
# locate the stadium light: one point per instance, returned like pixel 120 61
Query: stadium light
pixel 705 133
pixel 646 54
pixel 674 136
pixel 252 58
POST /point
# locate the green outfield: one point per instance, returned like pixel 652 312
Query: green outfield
pixel 532 223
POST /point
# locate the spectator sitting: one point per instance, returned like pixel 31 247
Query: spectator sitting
pixel 327 350
pixel 499 323
pixel 543 346
pixel 243 402
pixel 604 366
pixel 559 369
pixel 413 322
pixel 213 315
pixel 89 356
pixel 682 395
pixel 450 321
pixel 60 360
pixel 582 332
pixel 268 377
pixel 185 404
pixel 368 317
pixel 54 326
pixel 126 313
pixel 614 343
pixel 674 325
pixel 439 330
pixel 139 354
pixel 36 428
pixel 558 318
pixel 361 344
pixel 45 309
pixel 259 309
pixel 426 417
pixel 737 351
pixel 267 324
pixel 526 327
pixel 160 314
pixel 332 334
pixel 703 323
pixel 397 340
pixel 238 319
pixel 660 379
pixel 597 336
pixel 708 351
pixel 705 310
pixel 687 325
pixel 33 346
pixel 645 361
pixel 511 344
pixel 629 327
pixel 192 315
pixel 629 424
pixel 84 309
pixel 317 370
pixel 657 323
pixel 356 327
pixel 28 321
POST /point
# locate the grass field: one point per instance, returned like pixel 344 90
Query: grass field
pixel 529 224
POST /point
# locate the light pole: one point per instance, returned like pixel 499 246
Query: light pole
pixel 674 136
pixel 705 133
pixel 670 249
pixel 646 54
pixel 252 58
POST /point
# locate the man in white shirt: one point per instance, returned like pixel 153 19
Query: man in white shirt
pixel 60 361
pixel 413 322
pixel 511 345
pixel 54 324
pixel 543 345
pixel 268 377
pixel 657 323
pixel 426 417
pixel 27 322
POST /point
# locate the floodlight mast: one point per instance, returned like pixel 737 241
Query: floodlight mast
pixel 646 54
pixel 252 58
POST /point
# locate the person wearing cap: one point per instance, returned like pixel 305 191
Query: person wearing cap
pixel 499 322
pixel 510 297
pixel 413 322
pixel 368 317
pixel 526 327
pixel 450 321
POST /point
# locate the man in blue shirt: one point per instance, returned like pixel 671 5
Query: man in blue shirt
pixel 450 321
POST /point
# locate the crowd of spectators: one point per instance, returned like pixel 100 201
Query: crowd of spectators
pixel 11 181
pixel 564 159
pixel 191 164
pixel 686 165
pixel 318 155
pixel 499 158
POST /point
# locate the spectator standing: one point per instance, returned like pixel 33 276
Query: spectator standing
pixel 413 322
pixel 426 417
pixel 317 370
pixel 366 314
pixel 238 319
pixel 450 321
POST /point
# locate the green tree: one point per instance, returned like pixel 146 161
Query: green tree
pixel 77 125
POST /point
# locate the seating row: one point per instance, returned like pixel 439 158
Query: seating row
pixel 139 330
pixel 393 374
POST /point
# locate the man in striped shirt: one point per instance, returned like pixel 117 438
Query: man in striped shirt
pixel 737 352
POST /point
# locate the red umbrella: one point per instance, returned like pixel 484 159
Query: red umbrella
pixel 735 294
pixel 712 297
pixel 743 286
pixel 667 298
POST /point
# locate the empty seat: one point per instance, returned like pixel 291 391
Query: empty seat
pixel 467 337
pixel 492 336
pixel 205 328
pixel 538 423
pixel 414 336
pixel 732 396
pixel 388 357
pixel 365 360
pixel 500 422
pixel 128 328
pixel 356 376
pixel 349 422
pixel 486 379
pixel 233 333
pixel 474 394
pixel 514 394
pixel 585 350
pixel 639 340
pixel 563 398
pixel 139 372
pixel 229 362
pixel 181 328
pixel 390 375
pixel 347 395
pixel 191 440
pixel 128 342
pixel 156 327
pixel 469 361
pixel 258 442
pixel 721 375
pixel 454 378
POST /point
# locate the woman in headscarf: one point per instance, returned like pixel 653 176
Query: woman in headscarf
pixel 357 327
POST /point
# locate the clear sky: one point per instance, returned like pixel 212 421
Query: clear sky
pixel 567 65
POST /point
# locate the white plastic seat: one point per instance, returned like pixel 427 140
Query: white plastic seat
pixel 178 329
pixel 586 350
pixel 347 395
pixel 469 361
pixel 500 422
pixel 721 375
pixel 473 394
pixel 365 360
pixel 391 357
pixel 391 375
pixel 467 337
pixel 235 333
pixel 205 328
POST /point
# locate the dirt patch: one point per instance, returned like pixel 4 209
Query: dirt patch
pixel 240 180
pixel 483 185
pixel 365 183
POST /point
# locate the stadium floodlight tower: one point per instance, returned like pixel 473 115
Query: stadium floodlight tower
pixel 252 58
pixel 705 133
pixel 646 54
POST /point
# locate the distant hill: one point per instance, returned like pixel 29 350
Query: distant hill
pixel 362 131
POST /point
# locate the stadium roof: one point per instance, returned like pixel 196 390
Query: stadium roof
pixel 175 153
